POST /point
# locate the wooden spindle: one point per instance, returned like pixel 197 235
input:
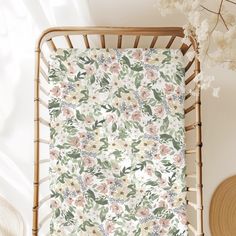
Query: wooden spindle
pixel 136 41
pixel 86 42
pixel 154 40
pixel 170 42
pixel 102 39
pixel 119 43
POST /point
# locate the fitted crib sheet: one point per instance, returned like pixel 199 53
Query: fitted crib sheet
pixel 117 142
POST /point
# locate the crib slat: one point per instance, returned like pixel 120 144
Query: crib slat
pixel 43 90
pixel 44 220
pixel 190 189
pixel 189 109
pixel 190 151
pixel 43 73
pixel 119 43
pixel 184 48
pixel 45 179
pixel 154 40
pixel 192 229
pixel 170 42
pixel 42 102
pixel 44 161
pixel 189 65
pixel 190 175
pixel 189 79
pixel 102 39
pixel 187 96
pixel 44 141
pixel 43 122
pixel 45 199
pixel 44 59
pixel 192 126
pixel 193 205
pixel 68 41
pixel 136 41
pixel 51 45
pixel 86 42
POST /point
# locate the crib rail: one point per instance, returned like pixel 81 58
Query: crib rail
pixel 115 37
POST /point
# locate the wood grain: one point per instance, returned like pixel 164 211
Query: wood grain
pixel 223 209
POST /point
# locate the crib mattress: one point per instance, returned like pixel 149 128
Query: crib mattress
pixel 117 142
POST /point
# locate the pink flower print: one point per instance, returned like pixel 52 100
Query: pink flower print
pixel 55 91
pixel 183 218
pixel 178 160
pixel 80 201
pixel 143 212
pixel 152 129
pixel 89 69
pixel 136 116
pixel 178 91
pixel 144 93
pixel 88 179
pixel 115 67
pixel 162 204
pixel 88 119
pixel 149 170
pixel 151 75
pixel 159 110
pixel 110 181
pixel 53 204
pixel 75 141
pixel 71 68
pixel 164 223
pixel 67 112
pixel 110 118
pixel 169 88
pixel 137 54
pixel 147 59
pixel 105 66
pixel 102 188
pixel 162 182
pixel 109 227
pixel 89 162
pixel 116 208
pixel 69 200
pixel 54 154
pixel 164 150
pixel 64 85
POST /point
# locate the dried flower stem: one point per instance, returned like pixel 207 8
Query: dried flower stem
pixel 231 2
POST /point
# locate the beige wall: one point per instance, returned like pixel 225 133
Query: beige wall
pixel 219 135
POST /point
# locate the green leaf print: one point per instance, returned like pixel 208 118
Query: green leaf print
pixel 91 194
pixel 57 212
pixel 157 95
pixel 126 61
pixel 85 97
pixel 158 210
pixel 92 79
pixel 103 213
pixel 147 109
pixel 80 116
pixel 136 67
pixel 138 80
pixel 101 201
pixel 114 127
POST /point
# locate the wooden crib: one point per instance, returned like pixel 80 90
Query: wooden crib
pixel 115 37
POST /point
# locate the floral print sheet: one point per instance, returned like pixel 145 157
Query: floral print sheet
pixel 117 142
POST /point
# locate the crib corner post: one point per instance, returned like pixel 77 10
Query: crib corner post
pixel 199 185
pixel 36 143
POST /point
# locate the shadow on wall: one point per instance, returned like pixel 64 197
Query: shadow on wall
pixel 14 226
